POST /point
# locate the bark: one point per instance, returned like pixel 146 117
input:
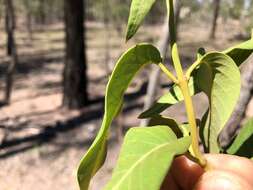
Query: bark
pixel 215 18
pixel 11 48
pixel 9 25
pixel 154 82
pixel 245 95
pixel 74 76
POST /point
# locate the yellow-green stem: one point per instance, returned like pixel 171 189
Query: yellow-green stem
pixel 168 73
pixel 183 84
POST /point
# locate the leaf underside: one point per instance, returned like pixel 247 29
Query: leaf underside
pixel 219 78
pixel 145 158
pixel 126 68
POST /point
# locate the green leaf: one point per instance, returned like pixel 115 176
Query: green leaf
pixel 174 96
pixel 145 158
pixel 243 143
pixel 139 9
pixel 126 68
pixel 241 52
pixel 219 78
pixel 171 123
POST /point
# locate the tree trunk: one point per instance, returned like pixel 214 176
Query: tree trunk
pixel 11 48
pixel 245 95
pixel 216 11
pixel 154 81
pixel 74 76
pixel 42 13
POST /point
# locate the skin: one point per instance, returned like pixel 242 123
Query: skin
pixel 226 173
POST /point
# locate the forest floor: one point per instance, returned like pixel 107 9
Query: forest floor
pixel 41 143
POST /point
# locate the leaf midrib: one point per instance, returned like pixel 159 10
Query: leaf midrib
pixel 138 162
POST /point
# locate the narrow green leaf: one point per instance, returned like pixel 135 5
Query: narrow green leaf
pixel 174 96
pixel 126 68
pixel 243 143
pixel 145 158
pixel 139 9
pixel 240 52
pixel 219 78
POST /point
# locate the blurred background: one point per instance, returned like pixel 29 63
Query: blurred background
pixel 55 60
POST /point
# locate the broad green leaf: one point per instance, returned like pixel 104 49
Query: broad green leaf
pixel 243 143
pixel 174 96
pixel 126 68
pixel 241 52
pixel 219 78
pixel 139 9
pixel 145 158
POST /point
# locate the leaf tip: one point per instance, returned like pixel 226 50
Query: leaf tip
pixel 129 35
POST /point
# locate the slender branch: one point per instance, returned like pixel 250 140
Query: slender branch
pixel 183 84
pixel 174 49
pixel 191 68
pixel 191 117
pixel 168 73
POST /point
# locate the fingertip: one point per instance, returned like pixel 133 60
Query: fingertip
pixel 221 180
pixel 185 172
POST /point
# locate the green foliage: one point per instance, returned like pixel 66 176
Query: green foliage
pixel 240 52
pixel 173 97
pixel 126 68
pixel 219 78
pixel 145 152
pixel 242 144
pixel 138 11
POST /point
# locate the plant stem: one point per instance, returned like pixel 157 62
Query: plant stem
pixel 191 68
pixel 183 84
pixel 168 73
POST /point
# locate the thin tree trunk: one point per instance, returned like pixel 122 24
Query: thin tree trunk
pixel 154 79
pixel 74 76
pixel 10 27
pixel 42 13
pixel 216 4
pixel 245 95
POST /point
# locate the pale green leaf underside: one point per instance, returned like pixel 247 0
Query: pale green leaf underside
pixel 174 96
pixel 145 158
pixel 219 78
pixel 126 68
pixel 138 11
pixel 243 143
